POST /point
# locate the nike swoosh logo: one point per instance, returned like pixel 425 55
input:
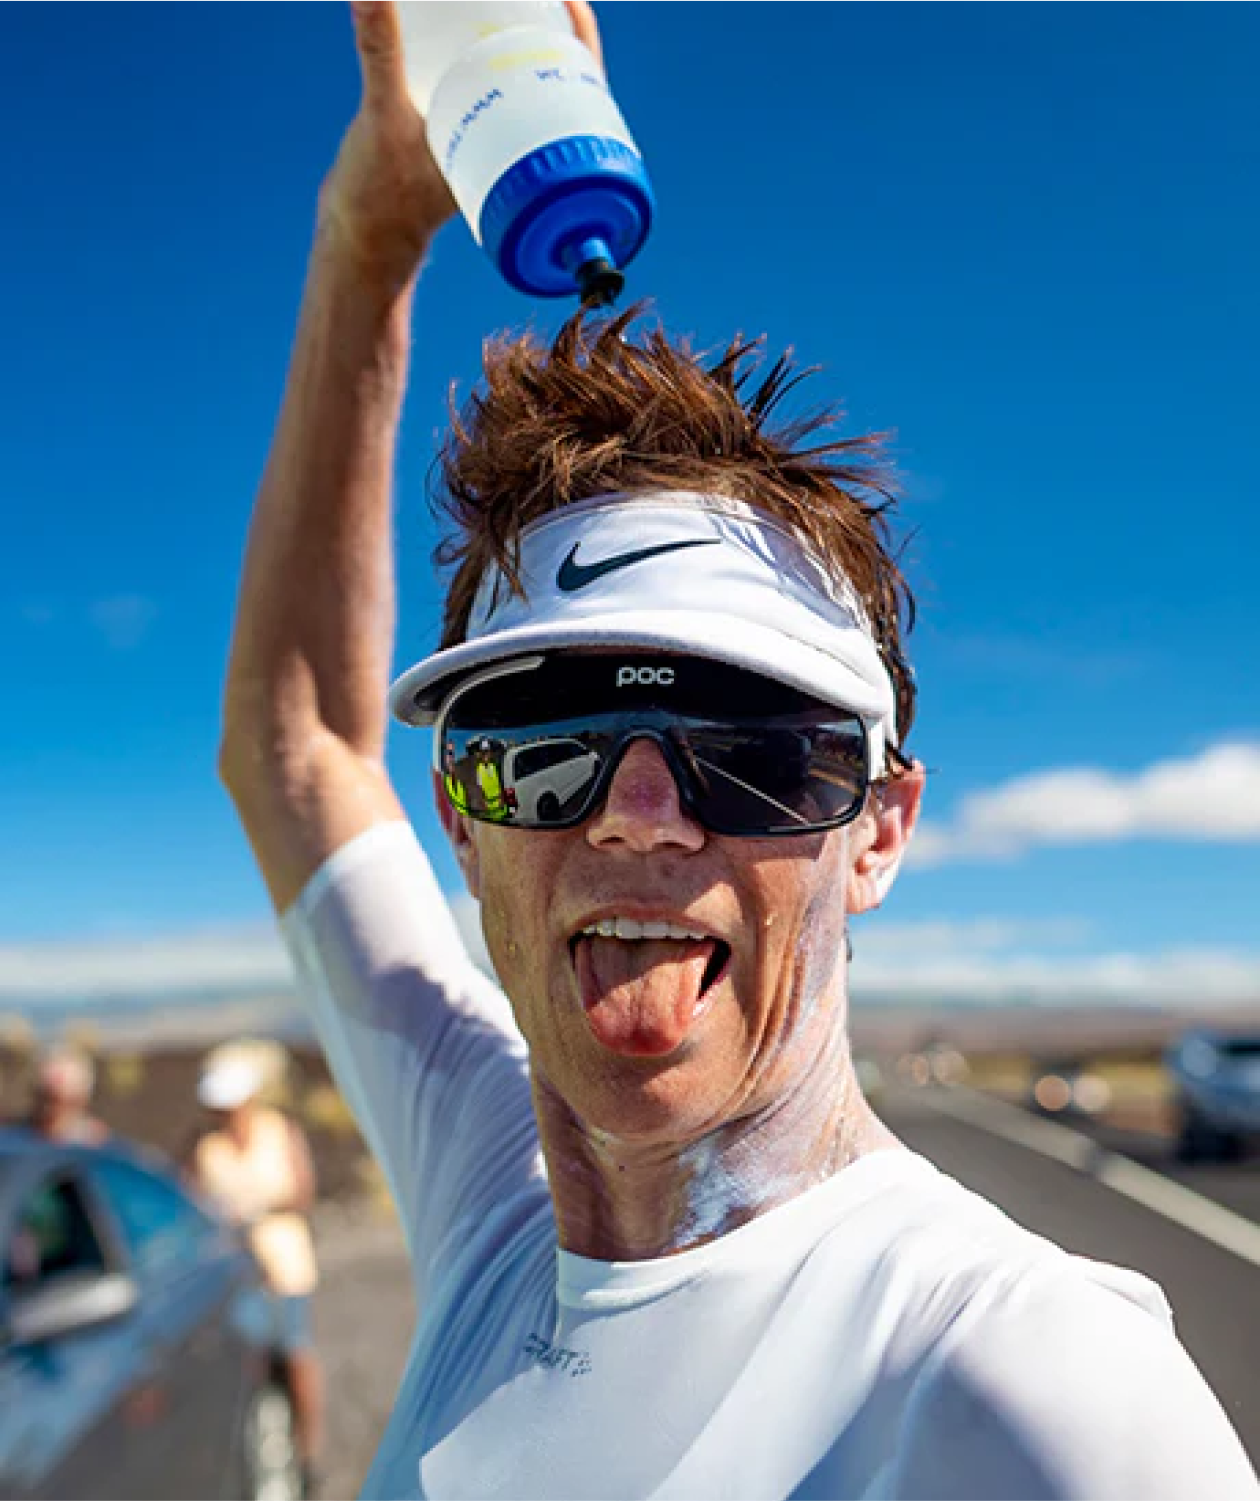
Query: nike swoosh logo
pixel 574 575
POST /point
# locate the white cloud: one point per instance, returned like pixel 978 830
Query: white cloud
pixel 1040 961
pixel 179 966
pixel 1176 978
pixel 123 619
pixel 1213 797
pixel 881 938
pixel 232 960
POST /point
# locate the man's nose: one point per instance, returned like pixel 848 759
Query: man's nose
pixel 643 810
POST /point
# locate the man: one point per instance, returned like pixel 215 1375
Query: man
pixel 662 1247
pixel 489 785
pixel 254 1164
pixel 456 792
pixel 61 1104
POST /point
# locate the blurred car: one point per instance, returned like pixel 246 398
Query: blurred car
pixel 135 1336
pixel 1217 1079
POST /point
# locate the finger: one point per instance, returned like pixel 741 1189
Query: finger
pixel 379 40
pixel 585 27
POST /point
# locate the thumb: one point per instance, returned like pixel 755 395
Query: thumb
pixel 379 39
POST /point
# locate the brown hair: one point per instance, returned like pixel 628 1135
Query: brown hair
pixel 599 412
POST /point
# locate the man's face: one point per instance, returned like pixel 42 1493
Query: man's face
pixel 666 1038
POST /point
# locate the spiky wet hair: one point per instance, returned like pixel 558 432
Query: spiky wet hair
pixel 614 405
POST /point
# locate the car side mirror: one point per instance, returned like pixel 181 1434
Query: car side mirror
pixel 68 1305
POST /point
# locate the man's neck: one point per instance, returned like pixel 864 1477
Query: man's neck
pixel 620 1199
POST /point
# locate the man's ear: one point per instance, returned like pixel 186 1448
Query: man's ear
pixel 458 829
pixel 880 838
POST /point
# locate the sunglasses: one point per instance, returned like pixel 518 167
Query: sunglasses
pixel 534 743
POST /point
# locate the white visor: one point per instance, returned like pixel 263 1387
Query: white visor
pixel 679 572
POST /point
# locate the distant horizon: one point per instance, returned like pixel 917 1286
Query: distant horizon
pixel 881 1027
pixel 204 969
pixel 896 965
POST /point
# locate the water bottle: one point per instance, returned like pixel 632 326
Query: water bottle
pixel 525 131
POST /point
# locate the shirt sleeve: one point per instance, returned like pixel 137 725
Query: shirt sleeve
pixel 1064 1390
pixel 420 1042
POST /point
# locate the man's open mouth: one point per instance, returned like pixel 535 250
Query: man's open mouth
pixel 645 984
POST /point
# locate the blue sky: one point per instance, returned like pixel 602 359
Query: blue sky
pixel 1022 237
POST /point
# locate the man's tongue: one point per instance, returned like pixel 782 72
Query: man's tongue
pixel 642 995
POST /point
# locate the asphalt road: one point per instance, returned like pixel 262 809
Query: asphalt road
pixel 364 1315
pixel 1215 1295
pixel 1235 1185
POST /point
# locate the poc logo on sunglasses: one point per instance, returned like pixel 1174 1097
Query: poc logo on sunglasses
pixel 645 677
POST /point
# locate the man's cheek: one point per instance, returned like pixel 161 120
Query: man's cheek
pixel 507 924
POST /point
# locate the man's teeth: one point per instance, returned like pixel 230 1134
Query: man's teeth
pixel 627 927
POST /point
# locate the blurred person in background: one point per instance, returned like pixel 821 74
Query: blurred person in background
pixel 65 1082
pixel 253 1163
pixel 661 1244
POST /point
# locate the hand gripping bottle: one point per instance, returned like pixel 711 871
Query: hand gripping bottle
pixel 535 150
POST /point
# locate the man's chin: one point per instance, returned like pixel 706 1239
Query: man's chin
pixel 645 1102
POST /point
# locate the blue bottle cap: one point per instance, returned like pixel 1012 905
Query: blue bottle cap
pixel 580 202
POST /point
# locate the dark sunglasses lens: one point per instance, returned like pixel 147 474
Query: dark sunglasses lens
pixel 761 780
pixel 535 779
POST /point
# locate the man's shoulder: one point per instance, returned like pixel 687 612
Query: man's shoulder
pixel 940 1262
pixel 988 1270
pixel 1057 1320
pixel 925 1231
pixel 1066 1379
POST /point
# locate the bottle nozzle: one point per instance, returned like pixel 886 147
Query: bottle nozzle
pixel 599 282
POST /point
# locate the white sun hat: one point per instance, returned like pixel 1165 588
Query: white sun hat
pixel 226 1085
pixel 679 572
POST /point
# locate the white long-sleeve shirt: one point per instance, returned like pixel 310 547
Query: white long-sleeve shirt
pixel 888 1334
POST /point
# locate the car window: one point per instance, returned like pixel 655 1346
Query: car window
pixel 1242 1047
pixel 163 1228
pixel 536 758
pixel 54 1237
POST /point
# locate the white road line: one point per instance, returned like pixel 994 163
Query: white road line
pixel 1173 1201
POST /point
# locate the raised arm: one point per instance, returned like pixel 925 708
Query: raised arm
pixel 305 706
pixel 305 710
